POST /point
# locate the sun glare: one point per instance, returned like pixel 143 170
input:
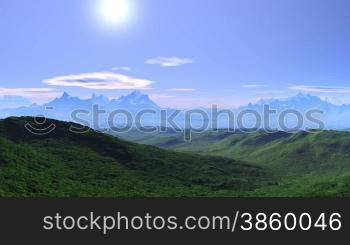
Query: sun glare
pixel 114 12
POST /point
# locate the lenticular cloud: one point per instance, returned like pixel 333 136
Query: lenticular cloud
pixel 100 80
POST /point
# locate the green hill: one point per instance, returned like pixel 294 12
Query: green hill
pixel 64 163
pixel 303 164
pixel 67 164
pixel 287 153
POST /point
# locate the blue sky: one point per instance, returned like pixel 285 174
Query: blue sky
pixel 183 53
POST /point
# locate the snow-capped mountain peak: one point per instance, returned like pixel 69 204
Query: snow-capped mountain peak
pixel 135 100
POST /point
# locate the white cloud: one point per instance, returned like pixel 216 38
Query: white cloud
pixel 182 89
pixel 169 61
pixel 267 91
pixel 252 86
pixel 36 93
pixel 161 96
pixel 100 80
pixel 122 68
pixel 321 89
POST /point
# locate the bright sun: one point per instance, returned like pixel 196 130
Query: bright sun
pixel 114 11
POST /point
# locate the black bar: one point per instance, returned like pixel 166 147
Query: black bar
pixel 22 220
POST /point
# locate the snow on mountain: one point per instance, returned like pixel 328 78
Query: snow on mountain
pixel 134 101
pixel 334 116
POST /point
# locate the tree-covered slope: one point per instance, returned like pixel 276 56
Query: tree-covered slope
pixel 63 163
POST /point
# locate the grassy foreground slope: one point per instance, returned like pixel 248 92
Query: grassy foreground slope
pixel 64 163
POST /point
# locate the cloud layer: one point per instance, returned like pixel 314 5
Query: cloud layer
pixel 122 68
pixel 169 61
pixel 161 96
pixel 29 92
pixel 182 89
pixel 267 91
pixel 321 89
pixel 100 80
pixel 252 86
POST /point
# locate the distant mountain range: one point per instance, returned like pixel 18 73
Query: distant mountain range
pixel 9 101
pixel 132 102
pixel 334 116
pixel 62 107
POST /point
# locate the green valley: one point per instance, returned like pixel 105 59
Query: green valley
pixel 313 163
